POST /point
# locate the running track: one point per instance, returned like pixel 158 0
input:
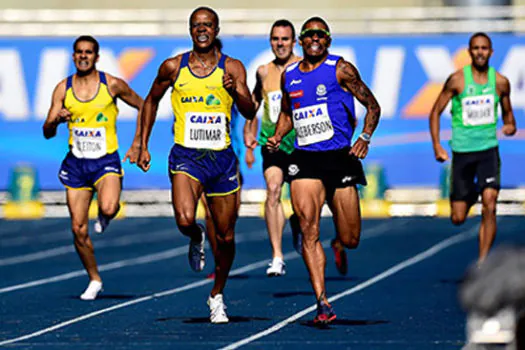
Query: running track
pixel 400 292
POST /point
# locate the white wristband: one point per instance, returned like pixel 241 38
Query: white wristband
pixel 365 137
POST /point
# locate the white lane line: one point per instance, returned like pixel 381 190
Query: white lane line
pixel 22 228
pixel 372 232
pixel 385 274
pixel 36 237
pixel 145 259
pixel 118 242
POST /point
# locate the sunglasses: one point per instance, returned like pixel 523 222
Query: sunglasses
pixel 310 33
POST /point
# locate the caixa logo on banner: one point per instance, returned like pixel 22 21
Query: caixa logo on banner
pixel 405 73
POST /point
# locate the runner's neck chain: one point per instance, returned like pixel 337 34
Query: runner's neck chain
pixel 204 64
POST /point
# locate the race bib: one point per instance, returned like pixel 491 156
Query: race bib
pixel 205 130
pixel 312 124
pixel 478 110
pixel 89 143
pixel 274 104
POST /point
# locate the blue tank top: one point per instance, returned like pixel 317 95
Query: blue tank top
pixel 323 113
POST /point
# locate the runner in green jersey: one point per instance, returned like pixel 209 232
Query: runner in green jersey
pixel 275 164
pixel 475 91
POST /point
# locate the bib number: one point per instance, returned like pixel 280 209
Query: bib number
pixel 312 124
pixel 478 110
pixel 274 104
pixel 89 143
pixel 205 130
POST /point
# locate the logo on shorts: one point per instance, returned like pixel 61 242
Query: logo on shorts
pixel 180 167
pixel 490 179
pixel 321 90
pixel 293 169
pixel 347 179
pixel 63 175
pixel 110 168
pixel 233 178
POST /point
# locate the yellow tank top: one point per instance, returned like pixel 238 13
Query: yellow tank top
pixel 202 108
pixel 93 125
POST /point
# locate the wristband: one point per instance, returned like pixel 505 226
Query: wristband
pixel 365 137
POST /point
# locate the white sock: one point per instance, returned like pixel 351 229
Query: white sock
pixel 92 290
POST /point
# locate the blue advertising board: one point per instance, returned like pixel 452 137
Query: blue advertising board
pixel 405 73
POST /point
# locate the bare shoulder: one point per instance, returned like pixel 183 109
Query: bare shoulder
pixel 233 65
pixel 455 81
pixel 262 70
pixel 502 84
pixel 501 79
pixel 346 71
pixel 114 81
pixel 60 88
pixel 171 64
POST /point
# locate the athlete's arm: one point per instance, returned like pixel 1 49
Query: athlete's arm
pixel 119 88
pixel 167 73
pixel 350 80
pixel 234 81
pixel 250 126
pixel 449 90
pixel 57 113
pixel 509 123
pixel 284 123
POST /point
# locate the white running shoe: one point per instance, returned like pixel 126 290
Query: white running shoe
pixel 92 290
pixel 217 309
pixel 276 268
pixel 101 224
pixel 196 252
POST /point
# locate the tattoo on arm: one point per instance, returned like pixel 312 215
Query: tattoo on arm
pixel 351 80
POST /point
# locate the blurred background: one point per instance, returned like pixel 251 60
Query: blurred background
pixel 404 49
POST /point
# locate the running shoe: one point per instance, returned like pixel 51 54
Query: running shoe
pixel 325 313
pixel 92 290
pixel 217 309
pixel 101 224
pixel 276 268
pixel 196 252
pixel 341 262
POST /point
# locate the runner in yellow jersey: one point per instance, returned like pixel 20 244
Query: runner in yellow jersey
pixel 86 101
pixel 206 83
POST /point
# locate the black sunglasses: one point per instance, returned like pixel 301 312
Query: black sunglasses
pixel 310 33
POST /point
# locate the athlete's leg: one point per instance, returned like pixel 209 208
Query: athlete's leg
pixel 78 204
pixel 346 212
pixel 185 194
pixel 347 216
pixel 487 229
pixel 273 209
pixel 211 232
pixel 108 196
pixel 224 210
pixel 308 196
pixel 463 192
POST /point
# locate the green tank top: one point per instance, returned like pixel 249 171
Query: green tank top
pixel 272 108
pixel 474 114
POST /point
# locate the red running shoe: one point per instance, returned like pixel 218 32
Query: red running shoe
pixel 325 314
pixel 341 261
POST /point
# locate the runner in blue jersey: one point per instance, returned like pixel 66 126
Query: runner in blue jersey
pixel 318 102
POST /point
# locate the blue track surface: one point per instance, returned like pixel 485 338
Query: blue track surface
pixel 411 307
